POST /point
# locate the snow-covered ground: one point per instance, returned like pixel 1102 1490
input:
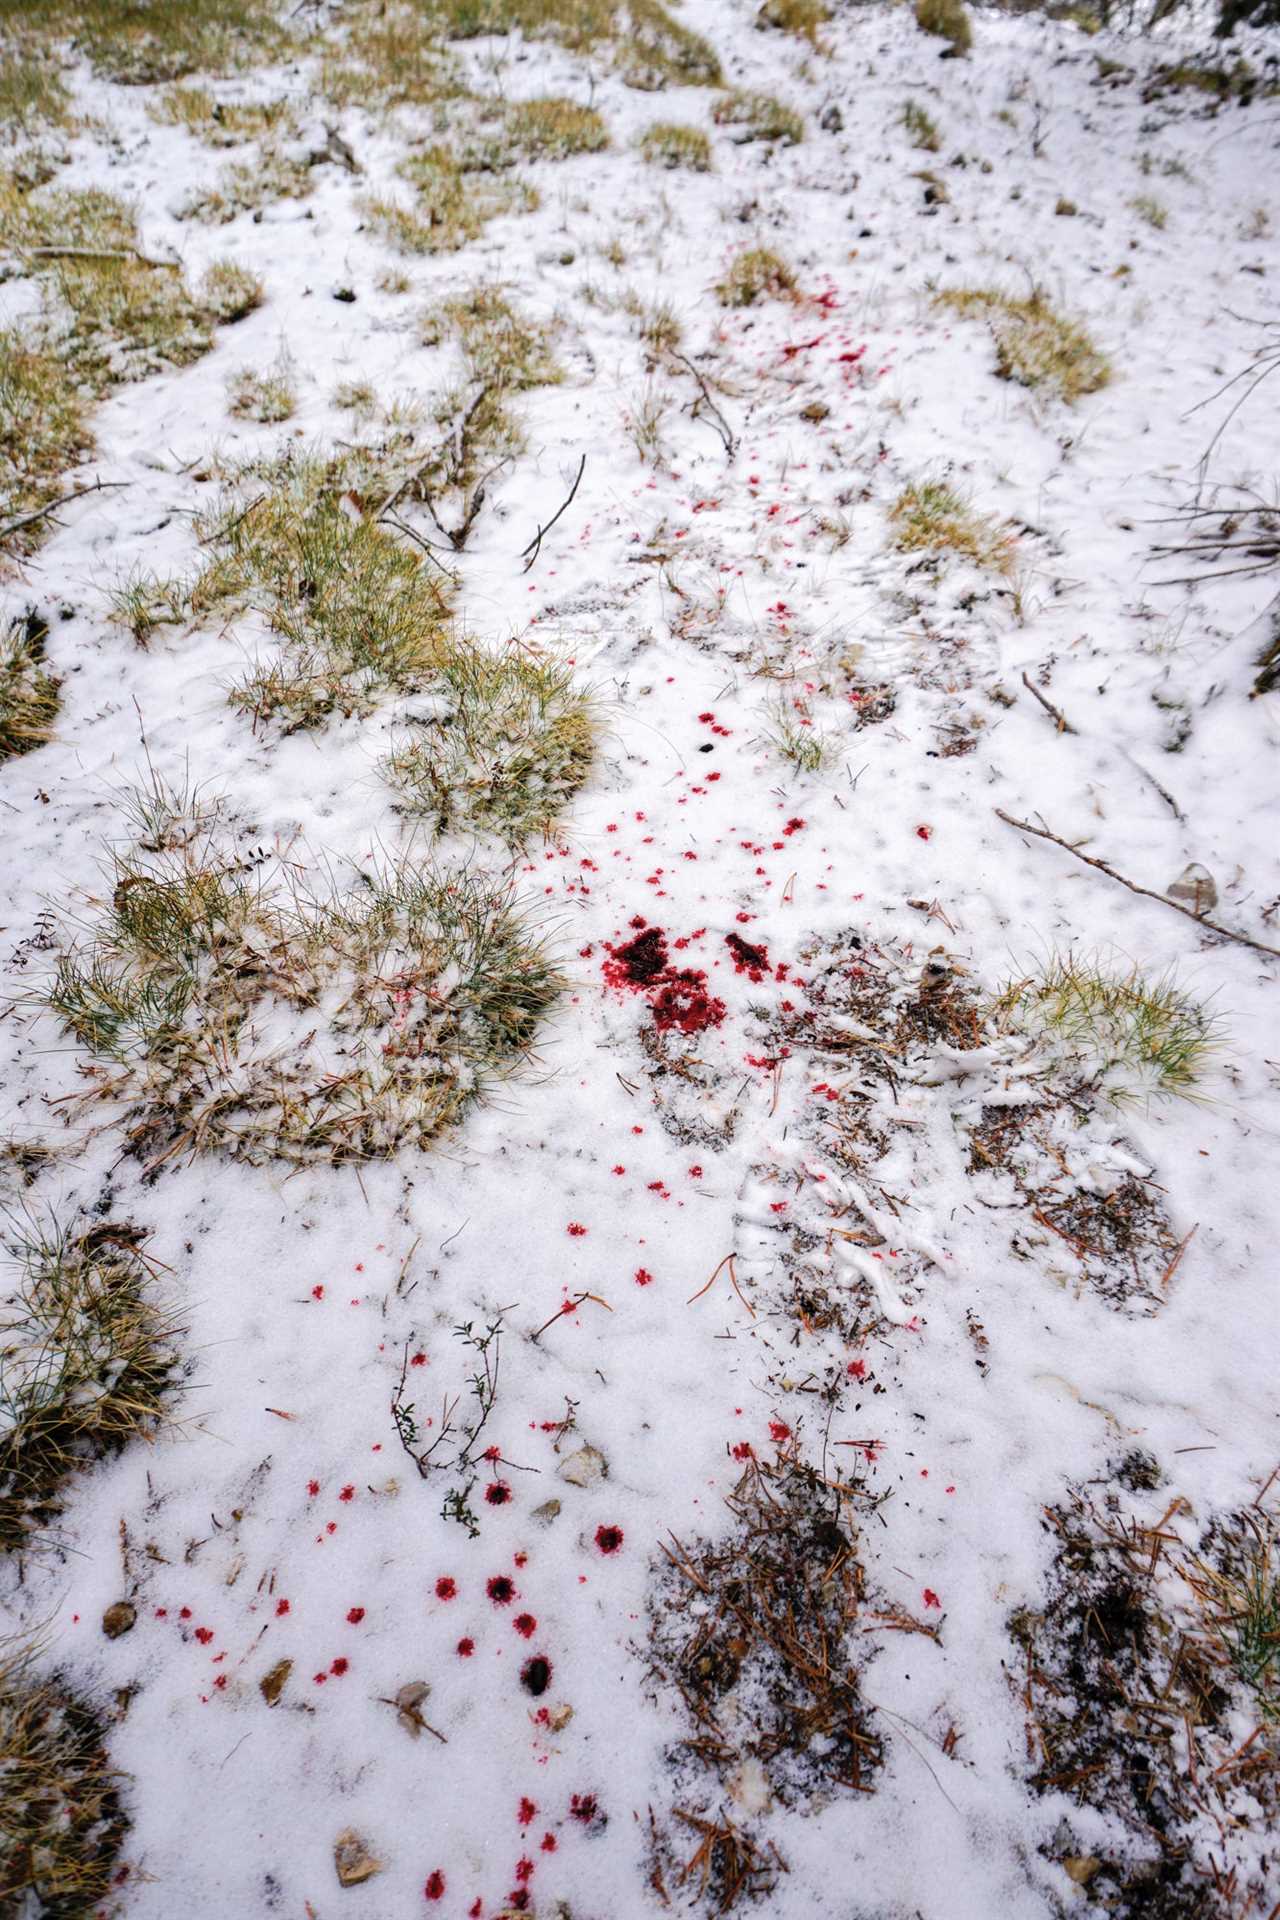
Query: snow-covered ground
pixel 279 1519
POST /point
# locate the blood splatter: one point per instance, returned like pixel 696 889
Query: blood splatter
pixel 434 1889
pixel 497 1493
pixel 748 959
pixel 355 1615
pixel 446 1587
pixel 501 1590
pixel 525 1625
pixel 526 1810
pixel 466 1648
pixel 608 1539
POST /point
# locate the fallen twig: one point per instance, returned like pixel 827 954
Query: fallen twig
pixel 1060 719
pixel 42 513
pixel 535 545
pixel 103 253
pixel 1149 893
pixel 569 1306
pixel 714 414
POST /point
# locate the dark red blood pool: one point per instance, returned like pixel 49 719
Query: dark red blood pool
pixel 446 1587
pixel 500 1590
pixel 640 962
pixel 608 1539
pixel 753 961
pixel 683 1001
pixel 498 1493
pixel 535 1675
pixel 434 1889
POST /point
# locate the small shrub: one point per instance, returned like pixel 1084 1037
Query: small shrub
pixel 503 350
pixel 86 1361
pixel 921 128
pixel 230 292
pixel 660 329
pixel 758 116
pixel 1128 1033
pixel 452 208
pixel 62 1820
pixel 1035 346
pixel 1151 211
pixel 508 744
pixel 146 601
pixel 946 20
pixel 29 696
pixel 754 275
pixel 265 397
pixel 668 144
pixel 931 516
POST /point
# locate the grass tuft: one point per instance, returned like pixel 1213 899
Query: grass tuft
pixel 160 40
pixel 502 349
pixel 231 292
pixel 930 517
pixel 1035 346
pixel 33 95
pixel 946 20
pixel 87 1361
pixel 62 1823
pixel 802 17
pixel 507 745
pixel 249 1016
pixel 757 274
pixel 1129 1032
pixel 921 127
pixel 222 123
pixel 668 144
pixel 267 397
pixel 758 116
pixel 42 431
pixel 794 736
pixel 29 696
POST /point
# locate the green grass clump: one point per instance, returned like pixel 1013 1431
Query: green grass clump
pixel 267 397
pixel 87 1361
pixel 946 20
pixel 29 696
pixel 390 55
pixel 249 1016
pixel 42 431
pixel 230 292
pixel 802 17
pixel 1148 208
pixel 145 602
pixel 668 144
pixel 159 40
pixel 758 116
pixel 921 128
pixel 1127 1032
pixel 1035 346
pixel 355 612
pixel 508 745
pixel 931 516
pixel 794 736
pixel 756 274
pixel 502 349
pixel 62 1821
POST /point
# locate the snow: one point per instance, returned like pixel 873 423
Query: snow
pixel 303 1290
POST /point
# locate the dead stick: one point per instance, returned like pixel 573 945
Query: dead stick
pixel 1200 919
pixel 103 253
pixel 535 545
pixel 1060 719
pixel 64 499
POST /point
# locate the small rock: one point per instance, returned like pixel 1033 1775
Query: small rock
pixel 815 411
pixel 1195 888
pixel 559 1717
pixel 584 1467
pixel 352 1860
pixel 271 1685
pixel 546 1513
pixel 346 294
pixel 119 1619
pixel 832 120
pixel 1081 1867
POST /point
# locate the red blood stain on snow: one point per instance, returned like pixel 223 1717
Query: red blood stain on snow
pixel 526 1811
pixel 923 833
pixel 525 1625
pixel 339 1666
pixel 548 1843
pixel 446 1587
pixel 575 1229
pixel 501 1590
pixel 497 1493
pixel 355 1615
pixel 643 1277
pixel 678 996
pixel 930 1598
pixel 204 1635
pixel 282 1607
pixel 608 1539
pixel 347 1493
pixel 535 1675
pixel 466 1648
pixel 779 1431
pixel 434 1889
pixel 748 959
